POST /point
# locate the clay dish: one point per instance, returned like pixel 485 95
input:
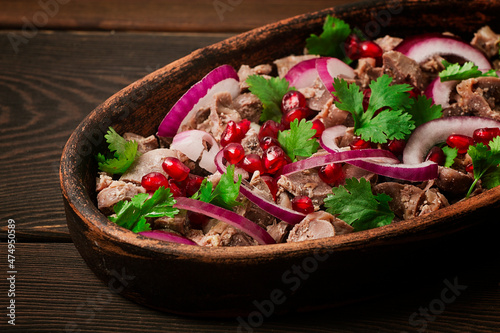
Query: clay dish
pixel 201 281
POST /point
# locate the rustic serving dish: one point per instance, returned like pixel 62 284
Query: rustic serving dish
pixel 263 280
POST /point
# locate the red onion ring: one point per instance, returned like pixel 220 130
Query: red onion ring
pixel 227 216
pixel 222 79
pixel 440 91
pixel 191 144
pixel 330 68
pixel 303 74
pixel 167 236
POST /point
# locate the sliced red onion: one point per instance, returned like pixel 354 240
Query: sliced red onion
pixel 227 216
pixel 303 74
pixel 379 161
pixel 440 91
pixel 330 68
pixel 282 213
pixel 192 144
pixel 221 79
pixel 423 47
pixel 167 236
pixel 436 131
pixel 370 156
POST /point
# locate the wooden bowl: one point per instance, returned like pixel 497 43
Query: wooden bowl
pixel 263 280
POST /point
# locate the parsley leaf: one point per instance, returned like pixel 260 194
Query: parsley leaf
pixel 224 194
pixel 455 71
pixel 124 153
pixel 270 92
pixel 355 204
pixel 451 154
pixel 423 110
pixel 330 42
pixel 486 164
pixel 385 118
pixel 299 139
pixel 132 214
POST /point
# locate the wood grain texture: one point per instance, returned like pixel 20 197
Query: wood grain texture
pixel 154 15
pixel 56 292
pixel 46 89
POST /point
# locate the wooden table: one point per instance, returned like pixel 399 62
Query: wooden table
pixel 59 60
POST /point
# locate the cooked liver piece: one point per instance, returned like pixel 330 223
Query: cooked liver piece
pixel 453 181
pixel 480 97
pixel 117 191
pixel 403 69
pixel 143 144
pixel 487 41
pixel 146 163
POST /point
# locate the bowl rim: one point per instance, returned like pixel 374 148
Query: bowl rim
pixel 79 200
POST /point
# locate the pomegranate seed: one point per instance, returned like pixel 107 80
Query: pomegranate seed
pixel 251 163
pixel 459 141
pixel 351 45
pixel 273 159
pixel 230 134
pixel 319 127
pixel 243 127
pixel 175 168
pixel 359 143
pixel 485 135
pixel 292 100
pixel 267 142
pixel 332 174
pixel 298 113
pixel 270 128
pixel 153 181
pixel 436 155
pixel 193 184
pixel 175 189
pixel 302 204
pixel 272 184
pixel 234 152
pixel 197 220
pixel 369 49
pixel 396 146
pixel 469 168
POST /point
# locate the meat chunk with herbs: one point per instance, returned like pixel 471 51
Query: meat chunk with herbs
pixel 480 97
pixel 115 192
pixel 314 226
pixel 306 183
pixel 143 144
pixel 222 234
pixel 403 69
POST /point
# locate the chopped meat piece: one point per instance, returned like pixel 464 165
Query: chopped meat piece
pixel 351 171
pixel 196 235
pixel 252 211
pixel 403 69
pixel 176 223
pixel 388 43
pixel 283 199
pixel 453 181
pixel 305 183
pixel 245 71
pixel 331 115
pixel 223 234
pixel 406 199
pixel 103 181
pixel 251 142
pixel 341 227
pixel 278 231
pixel 117 191
pixel 487 41
pixel 433 201
pixel 366 72
pixel 434 64
pixel 317 95
pixel 146 163
pixel 284 64
pixel 248 106
pixel 480 97
pixel 313 226
pixel 143 144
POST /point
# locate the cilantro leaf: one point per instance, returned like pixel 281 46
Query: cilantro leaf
pixel 270 92
pixel 385 118
pixel 455 71
pixel 451 154
pixel 355 204
pixel 330 42
pixel 132 214
pixel 299 139
pixel 124 153
pixel 486 164
pixel 423 110
pixel 224 194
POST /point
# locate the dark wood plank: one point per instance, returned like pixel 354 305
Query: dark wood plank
pixel 55 291
pixel 46 89
pixel 153 15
